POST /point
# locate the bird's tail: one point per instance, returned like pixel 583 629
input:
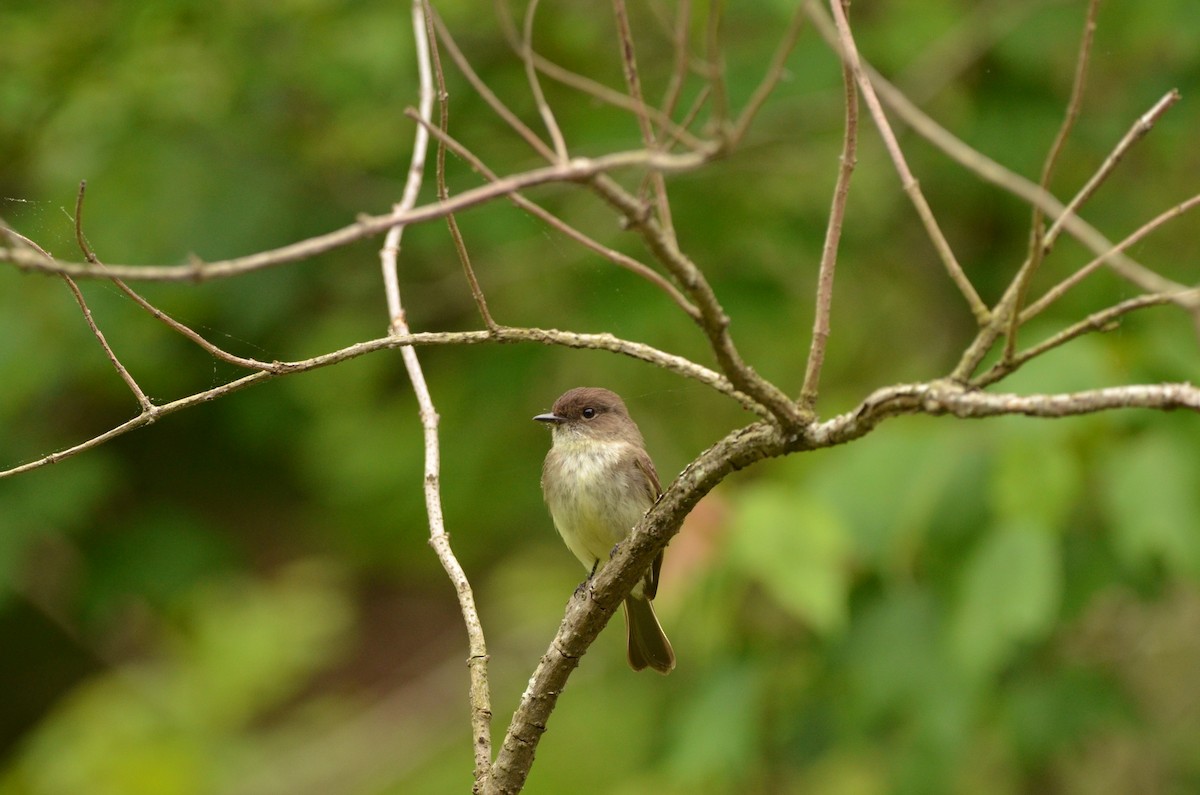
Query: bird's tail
pixel 648 644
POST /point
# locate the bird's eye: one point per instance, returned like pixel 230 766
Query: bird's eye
pixel 588 413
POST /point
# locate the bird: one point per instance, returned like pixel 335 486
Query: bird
pixel 598 481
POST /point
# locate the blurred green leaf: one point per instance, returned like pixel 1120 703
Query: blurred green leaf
pixel 1038 479
pixel 892 493
pixel 1010 593
pixel 1152 489
pixel 795 546
pixel 715 736
pixel 39 504
pixel 1047 710
pixel 893 657
pixel 162 725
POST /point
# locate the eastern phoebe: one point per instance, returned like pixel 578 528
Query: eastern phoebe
pixel 598 482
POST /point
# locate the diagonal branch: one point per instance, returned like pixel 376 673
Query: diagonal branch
pixel 833 235
pixel 991 171
pixel 591 607
pixel 849 52
pixel 618 258
pixel 633 83
pixel 1014 298
pixel 1143 125
pixel 568 339
pixel 439 539
pixel 535 86
pixel 576 170
pixel 142 400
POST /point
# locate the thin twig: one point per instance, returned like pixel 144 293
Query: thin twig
pixel 535 86
pixel 774 73
pixel 460 245
pixel 481 711
pixel 1014 299
pixel 623 260
pixel 633 83
pixel 504 335
pixel 1104 320
pixel 142 400
pixel 80 238
pixel 833 235
pixel 576 170
pixel 1057 292
pixel 849 52
pixel 1139 129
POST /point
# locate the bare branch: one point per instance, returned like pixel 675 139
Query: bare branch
pixel 481 709
pixel 850 55
pixel 771 79
pixel 833 235
pixel 618 258
pixel 634 83
pixel 947 397
pixel 539 98
pixel 142 400
pixel 1014 298
pixel 591 607
pixel 577 169
pixel 1182 296
pixel 1139 129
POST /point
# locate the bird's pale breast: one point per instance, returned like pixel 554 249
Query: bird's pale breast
pixel 597 497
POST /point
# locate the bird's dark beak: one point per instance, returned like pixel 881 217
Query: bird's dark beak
pixel 551 417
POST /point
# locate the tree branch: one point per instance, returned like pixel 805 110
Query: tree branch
pixel 502 335
pixel 592 606
pixel 576 170
pixel 833 235
pixel 1014 298
pixel 849 52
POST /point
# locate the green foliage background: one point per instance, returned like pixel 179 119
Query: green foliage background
pixel 240 599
